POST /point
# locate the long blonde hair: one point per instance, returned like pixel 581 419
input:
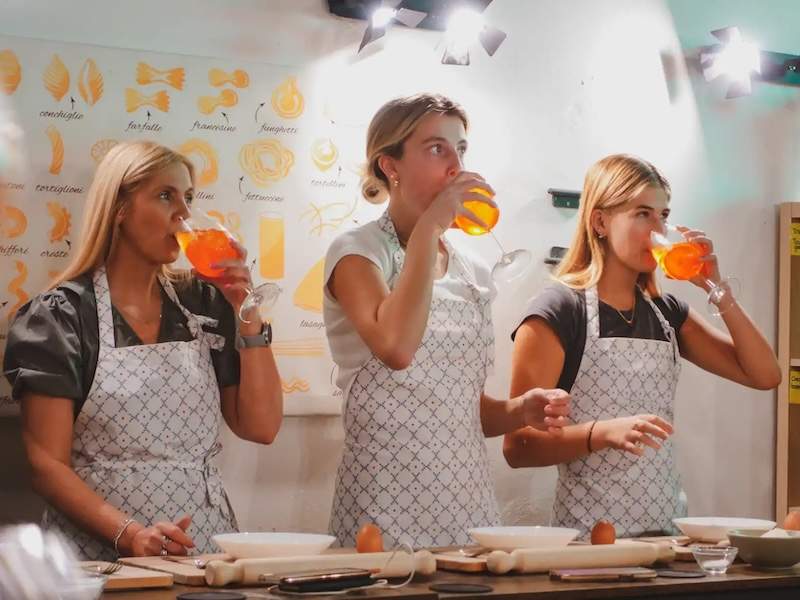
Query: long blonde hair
pixel 123 170
pixel 610 182
pixel 391 126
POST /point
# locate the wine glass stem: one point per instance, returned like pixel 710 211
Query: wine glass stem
pixel 496 241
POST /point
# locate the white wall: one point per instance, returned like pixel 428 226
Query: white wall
pixel 575 80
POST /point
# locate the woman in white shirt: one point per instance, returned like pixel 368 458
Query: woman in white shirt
pixel 409 324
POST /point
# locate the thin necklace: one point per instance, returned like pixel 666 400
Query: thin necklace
pixel 628 321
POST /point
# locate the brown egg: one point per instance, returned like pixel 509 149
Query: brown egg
pixel 792 520
pixel 603 533
pixel 369 539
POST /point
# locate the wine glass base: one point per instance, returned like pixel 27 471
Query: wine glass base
pixel 511 266
pixel 263 298
pixel 722 296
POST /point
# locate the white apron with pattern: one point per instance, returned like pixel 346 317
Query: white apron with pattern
pixel 621 377
pixel 146 434
pixel 415 460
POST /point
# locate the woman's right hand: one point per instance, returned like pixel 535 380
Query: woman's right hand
pixel 172 537
pixel 450 201
pixel 631 433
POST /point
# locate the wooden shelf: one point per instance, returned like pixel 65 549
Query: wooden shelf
pixel 787 438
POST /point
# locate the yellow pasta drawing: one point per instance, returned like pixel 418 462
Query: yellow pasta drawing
pixel 328 216
pixel 308 294
pixel 295 384
pixel 10 72
pixel 100 148
pixel 145 74
pixel 324 153
pixel 13 222
pixel 237 78
pixel 231 222
pixel 209 164
pixel 134 100
pixel 299 347
pixel 287 101
pixel 61 221
pixel 56 150
pixel 271 246
pixel 56 78
pixel 279 161
pixel 90 82
pixel 15 287
pixel 208 104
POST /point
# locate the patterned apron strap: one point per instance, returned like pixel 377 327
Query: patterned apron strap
pixel 669 331
pixel 105 317
pixel 592 313
pixel 193 321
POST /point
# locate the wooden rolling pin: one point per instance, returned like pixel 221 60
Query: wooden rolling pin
pixel 249 570
pixel 542 560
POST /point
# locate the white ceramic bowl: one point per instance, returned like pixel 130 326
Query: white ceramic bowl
pixel 511 538
pixel 266 544
pixel 715 529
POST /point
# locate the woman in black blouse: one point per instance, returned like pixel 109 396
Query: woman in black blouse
pixel 123 366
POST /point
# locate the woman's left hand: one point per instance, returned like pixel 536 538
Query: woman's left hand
pixel 710 271
pixel 234 281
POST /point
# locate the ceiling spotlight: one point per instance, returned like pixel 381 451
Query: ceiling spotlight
pixel 464 27
pixel 734 59
pixel 383 16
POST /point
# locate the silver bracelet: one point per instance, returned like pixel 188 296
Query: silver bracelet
pixel 122 529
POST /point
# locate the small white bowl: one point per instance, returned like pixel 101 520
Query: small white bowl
pixel 511 538
pixel 715 529
pixel 266 544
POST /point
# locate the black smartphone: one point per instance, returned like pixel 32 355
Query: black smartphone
pixel 325 581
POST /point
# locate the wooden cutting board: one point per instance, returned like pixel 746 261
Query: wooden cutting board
pixel 455 560
pixel 183 572
pixel 128 578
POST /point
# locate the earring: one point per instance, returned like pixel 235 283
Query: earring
pixel 395 182
pixel 601 236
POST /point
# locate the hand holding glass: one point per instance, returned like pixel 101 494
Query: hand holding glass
pixel 205 242
pixel 680 258
pixel 511 264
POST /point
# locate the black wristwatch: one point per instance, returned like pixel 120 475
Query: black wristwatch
pixel 260 340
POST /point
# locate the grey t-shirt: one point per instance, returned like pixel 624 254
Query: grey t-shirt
pixel 564 310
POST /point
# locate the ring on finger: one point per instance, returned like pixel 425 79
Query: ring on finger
pixel 164 541
pixel 163 552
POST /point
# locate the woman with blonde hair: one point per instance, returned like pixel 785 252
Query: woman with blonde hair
pixel 122 368
pixel 606 334
pixel 409 324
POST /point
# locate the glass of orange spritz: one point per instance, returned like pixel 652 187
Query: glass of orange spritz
pixel 206 242
pixel 681 259
pixel 510 265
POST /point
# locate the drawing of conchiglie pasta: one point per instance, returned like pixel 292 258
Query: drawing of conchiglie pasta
pixel 90 82
pixel 324 153
pixel 15 287
pixel 287 101
pixel 236 78
pixel 147 74
pixel 209 162
pixel 62 221
pixel 295 384
pixel 225 99
pixel 13 222
pixel 100 148
pixel 266 161
pixel 308 294
pixel 135 100
pixel 56 78
pixel 56 150
pixel 10 72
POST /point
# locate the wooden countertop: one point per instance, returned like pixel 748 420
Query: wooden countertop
pixel 741 581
